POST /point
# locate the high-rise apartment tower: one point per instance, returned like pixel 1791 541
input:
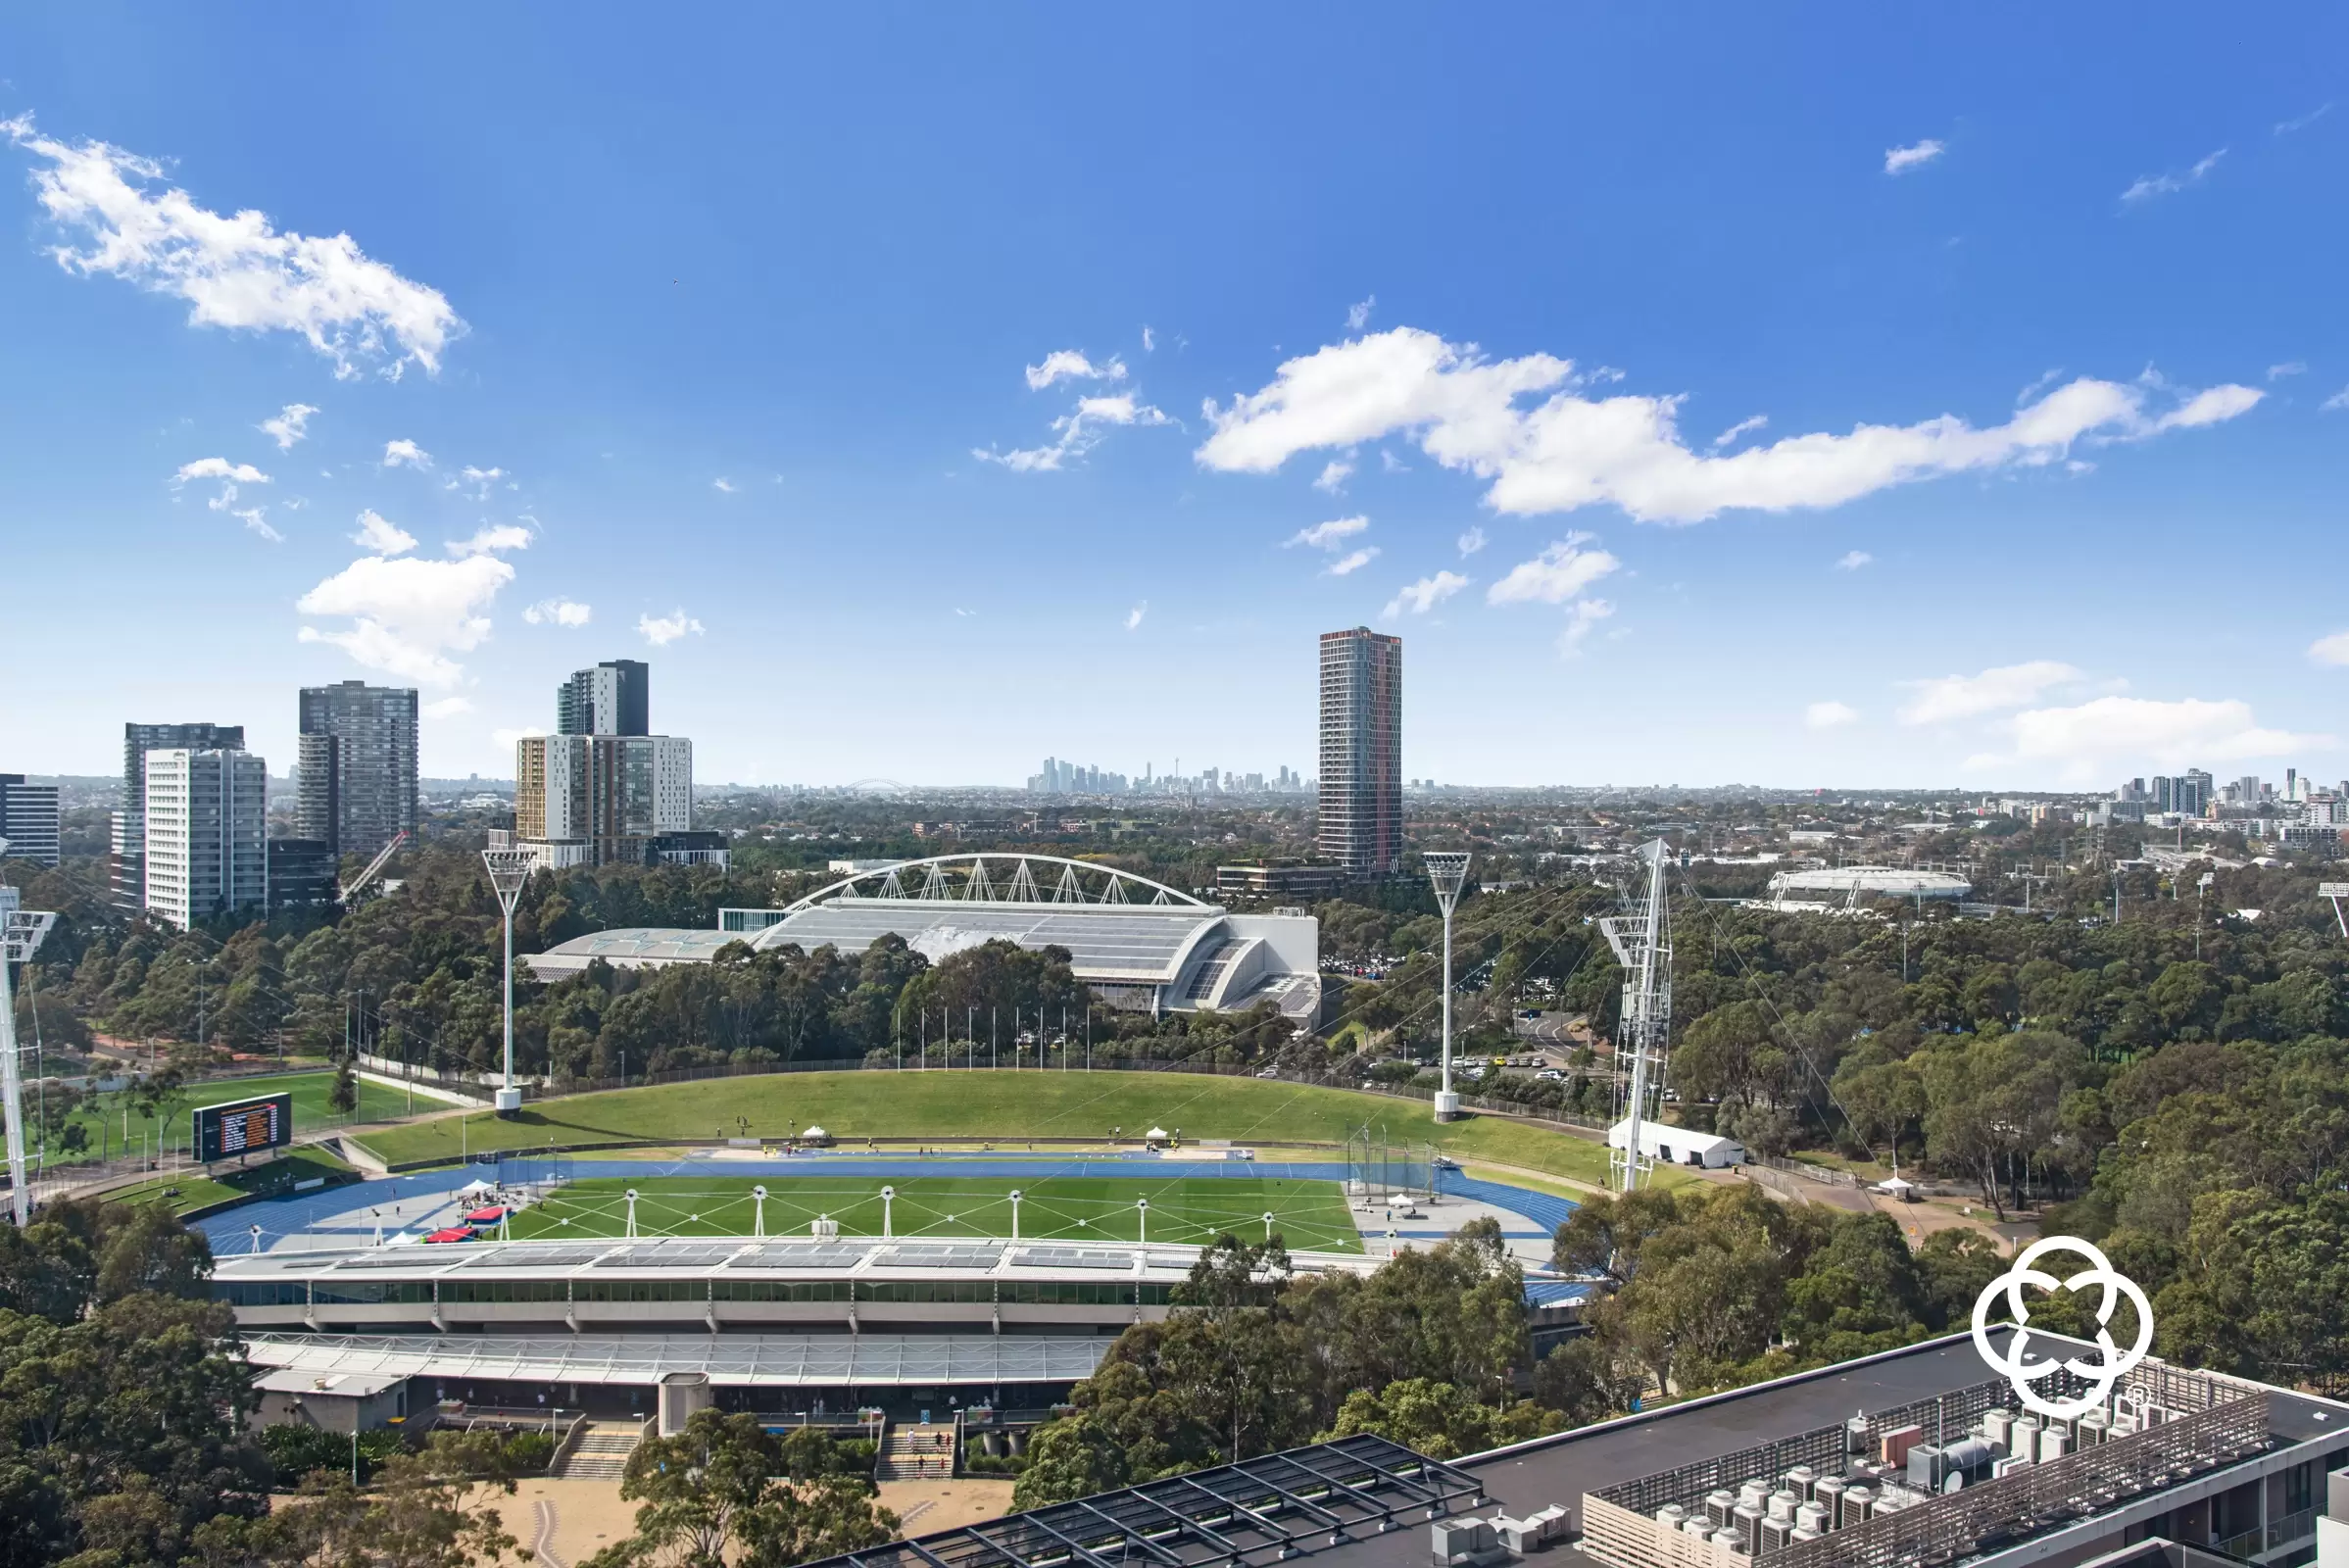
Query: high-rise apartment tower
pixel 358 757
pixel 612 699
pixel 207 824
pixel 129 858
pixel 29 820
pixel 1361 819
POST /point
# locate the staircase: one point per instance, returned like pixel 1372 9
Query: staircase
pixel 919 1453
pixel 603 1452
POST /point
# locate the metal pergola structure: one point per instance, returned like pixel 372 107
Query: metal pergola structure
pixel 1245 1515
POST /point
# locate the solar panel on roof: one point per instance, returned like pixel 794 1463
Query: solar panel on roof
pixel 940 1257
pixel 667 1257
pixel 803 1257
pixel 537 1257
pixel 1070 1257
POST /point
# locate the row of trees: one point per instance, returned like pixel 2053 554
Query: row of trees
pixel 1262 1359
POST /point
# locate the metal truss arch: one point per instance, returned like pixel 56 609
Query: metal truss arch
pixel 994 876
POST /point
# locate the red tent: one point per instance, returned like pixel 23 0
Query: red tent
pixel 485 1216
pixel 454 1233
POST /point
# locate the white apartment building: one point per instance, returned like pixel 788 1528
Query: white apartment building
pixel 207 834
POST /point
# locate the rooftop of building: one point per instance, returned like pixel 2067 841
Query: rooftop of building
pixel 674 1257
pixel 2069 1501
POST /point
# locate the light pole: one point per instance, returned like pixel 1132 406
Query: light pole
pixel 1016 1198
pixel 889 1197
pixel 508 870
pixel 1142 1213
pixel 1447 870
pixel 20 933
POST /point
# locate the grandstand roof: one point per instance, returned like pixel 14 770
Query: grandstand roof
pixel 628 947
pixel 1133 944
pixel 766 1360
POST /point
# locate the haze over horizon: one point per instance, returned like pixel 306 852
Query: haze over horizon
pixel 1804 399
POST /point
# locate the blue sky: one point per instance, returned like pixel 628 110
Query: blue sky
pixel 923 391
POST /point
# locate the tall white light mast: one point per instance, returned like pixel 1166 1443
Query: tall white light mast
pixel 20 933
pixel 1642 944
pixel 508 870
pixel 1447 870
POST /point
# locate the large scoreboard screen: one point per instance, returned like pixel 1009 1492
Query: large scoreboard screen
pixel 242 1127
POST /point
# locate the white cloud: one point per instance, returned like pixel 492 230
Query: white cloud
pixel 257 519
pixel 2148 187
pixel 558 613
pixel 448 708
pixel 404 454
pixel 662 631
pixel 506 739
pixel 1741 427
pixel 2276 372
pixel 2332 650
pixel 2284 127
pixel 1135 615
pixel 2168 734
pixel 1581 617
pixel 1334 475
pixel 1149 341
pixel 1347 564
pixel 1560 572
pixel 2337 402
pixel 490 539
pixel 291 424
pixel 1829 715
pixel 1472 541
pixel 1357 314
pixel 722 485
pixel 219 469
pixel 1393 464
pixel 230 474
pixel 1327 535
pixel 1067 364
pixel 234 271
pixel 1425 594
pixel 1900 159
pixel 2211 405
pixel 1571 449
pixel 382 537
pixel 482 480
pixel 1081 431
pixel 409 613
pixel 1951 697
pixel 1854 559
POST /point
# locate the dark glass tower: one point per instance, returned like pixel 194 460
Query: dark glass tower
pixel 1361 821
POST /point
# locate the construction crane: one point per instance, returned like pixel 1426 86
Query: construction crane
pixel 1642 944
pixel 374 868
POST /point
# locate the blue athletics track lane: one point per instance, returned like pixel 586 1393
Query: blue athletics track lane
pixel 346 1216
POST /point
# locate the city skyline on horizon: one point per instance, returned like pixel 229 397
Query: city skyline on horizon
pixel 1961 431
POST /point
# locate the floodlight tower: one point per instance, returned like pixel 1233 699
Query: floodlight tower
pixel 20 933
pixel 508 870
pixel 1447 870
pixel 1642 944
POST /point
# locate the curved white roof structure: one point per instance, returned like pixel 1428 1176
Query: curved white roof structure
pixel 1139 944
pixel 1852 883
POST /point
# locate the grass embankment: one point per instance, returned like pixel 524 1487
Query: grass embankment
pixel 193 1190
pixel 999 1107
pixel 1074 1209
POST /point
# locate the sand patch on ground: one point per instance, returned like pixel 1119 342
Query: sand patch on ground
pixel 964 1500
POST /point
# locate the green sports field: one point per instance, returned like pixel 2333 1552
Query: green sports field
pixel 1310 1216
pixel 1004 1107
pixel 169 1133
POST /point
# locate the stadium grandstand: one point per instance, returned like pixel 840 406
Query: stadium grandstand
pixel 1848 887
pixel 1139 945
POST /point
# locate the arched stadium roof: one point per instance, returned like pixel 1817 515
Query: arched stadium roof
pixel 1136 942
